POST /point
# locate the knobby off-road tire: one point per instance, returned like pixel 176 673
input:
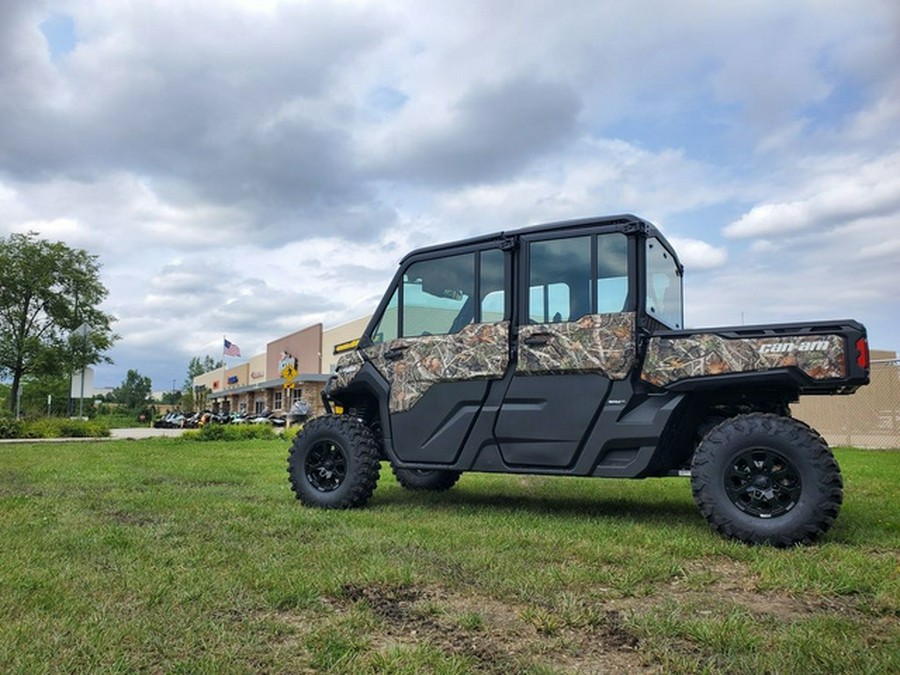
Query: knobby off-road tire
pixel 435 480
pixel 766 479
pixel 333 463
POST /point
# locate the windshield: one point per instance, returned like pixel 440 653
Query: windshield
pixel 663 300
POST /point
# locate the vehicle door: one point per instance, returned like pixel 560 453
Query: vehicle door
pixel 576 334
pixel 443 336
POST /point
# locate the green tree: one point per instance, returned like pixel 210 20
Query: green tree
pixel 35 390
pixel 47 291
pixel 194 400
pixel 172 397
pixel 134 391
pixel 198 366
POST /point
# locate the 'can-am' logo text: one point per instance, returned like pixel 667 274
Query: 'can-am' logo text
pixel 781 347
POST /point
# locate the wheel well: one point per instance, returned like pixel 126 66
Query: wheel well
pixel 363 404
pixel 701 413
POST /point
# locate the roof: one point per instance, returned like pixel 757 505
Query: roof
pixel 626 222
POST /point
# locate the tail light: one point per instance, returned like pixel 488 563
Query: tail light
pixel 862 353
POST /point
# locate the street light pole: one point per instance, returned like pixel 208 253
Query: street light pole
pixel 70 404
pixel 83 329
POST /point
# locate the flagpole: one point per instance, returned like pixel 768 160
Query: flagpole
pixel 224 397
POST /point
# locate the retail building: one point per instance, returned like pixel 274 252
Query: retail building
pixel 293 368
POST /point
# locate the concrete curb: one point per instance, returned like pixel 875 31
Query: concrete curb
pixel 135 434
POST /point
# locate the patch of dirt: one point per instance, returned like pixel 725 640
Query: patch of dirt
pixel 183 482
pixel 501 639
pixel 14 484
pixel 571 635
pixel 136 519
pixel 730 583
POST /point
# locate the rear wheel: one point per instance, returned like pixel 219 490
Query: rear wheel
pixel 435 480
pixel 333 463
pixel 766 479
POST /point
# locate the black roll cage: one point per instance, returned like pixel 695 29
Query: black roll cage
pixel 637 229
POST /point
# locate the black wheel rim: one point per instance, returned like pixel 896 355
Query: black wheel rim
pixel 325 466
pixel 762 483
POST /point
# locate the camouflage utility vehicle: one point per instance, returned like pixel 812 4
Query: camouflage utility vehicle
pixel 560 349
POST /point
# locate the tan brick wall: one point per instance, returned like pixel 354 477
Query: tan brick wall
pixel 338 334
pixel 870 418
pixel 304 345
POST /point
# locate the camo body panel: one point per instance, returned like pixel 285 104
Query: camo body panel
pixel 821 357
pixel 596 343
pixel 346 368
pixel 478 351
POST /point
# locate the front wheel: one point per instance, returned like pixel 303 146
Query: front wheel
pixel 333 463
pixel 766 479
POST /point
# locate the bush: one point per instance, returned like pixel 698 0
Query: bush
pixel 290 433
pixel 83 429
pixel 40 428
pixel 229 432
pixel 10 428
pixel 50 427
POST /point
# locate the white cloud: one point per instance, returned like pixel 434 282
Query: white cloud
pixel 853 192
pixel 597 177
pixel 697 254
pixel 249 167
pixel 845 271
pixel 881 249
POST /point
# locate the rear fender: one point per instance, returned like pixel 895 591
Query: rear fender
pixel 811 358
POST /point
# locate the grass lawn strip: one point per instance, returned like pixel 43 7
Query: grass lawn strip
pixel 171 555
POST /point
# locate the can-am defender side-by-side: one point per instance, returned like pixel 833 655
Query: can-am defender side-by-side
pixel 560 349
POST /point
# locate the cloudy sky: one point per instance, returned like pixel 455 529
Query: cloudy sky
pixel 247 168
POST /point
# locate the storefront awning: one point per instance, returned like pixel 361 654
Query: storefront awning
pixel 268 384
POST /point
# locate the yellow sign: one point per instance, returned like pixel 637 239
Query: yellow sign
pixel 289 373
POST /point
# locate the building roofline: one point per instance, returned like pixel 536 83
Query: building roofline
pixel 268 384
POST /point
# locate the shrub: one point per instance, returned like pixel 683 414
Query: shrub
pixel 39 428
pixel 10 428
pixel 49 427
pixel 83 429
pixel 229 432
pixel 290 433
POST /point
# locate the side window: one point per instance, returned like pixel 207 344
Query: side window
pixel 664 301
pixel 493 282
pixel 569 278
pixel 612 272
pixel 549 303
pixel 438 296
pixel 559 280
pixel 387 327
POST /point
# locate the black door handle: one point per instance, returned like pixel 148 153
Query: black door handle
pixel 395 353
pixel 537 340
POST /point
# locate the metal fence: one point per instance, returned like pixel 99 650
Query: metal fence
pixel 870 418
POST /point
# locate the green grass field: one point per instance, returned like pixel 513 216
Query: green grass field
pixel 175 556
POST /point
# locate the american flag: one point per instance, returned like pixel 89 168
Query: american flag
pixel 231 349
